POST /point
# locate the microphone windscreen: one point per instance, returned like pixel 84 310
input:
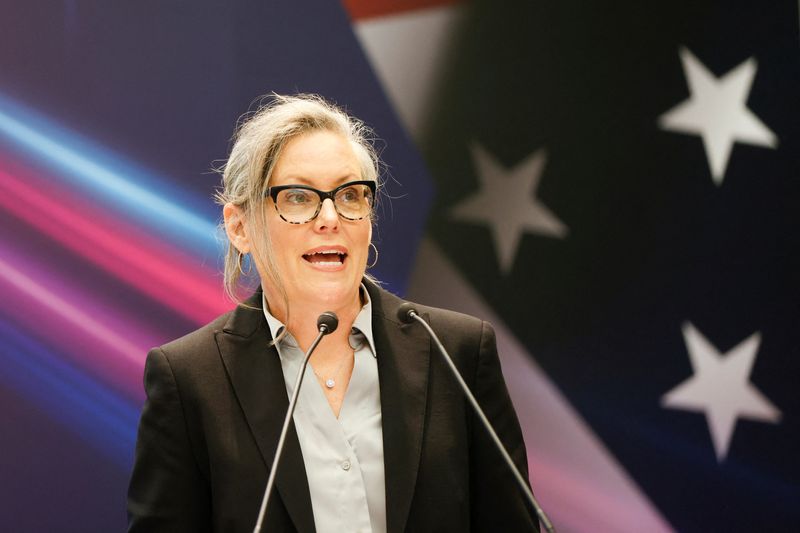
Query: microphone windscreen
pixel 405 312
pixel 327 322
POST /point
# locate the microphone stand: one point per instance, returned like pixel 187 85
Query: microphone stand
pixel 327 323
pixel 406 314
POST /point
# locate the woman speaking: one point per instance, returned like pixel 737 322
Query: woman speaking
pixel 382 439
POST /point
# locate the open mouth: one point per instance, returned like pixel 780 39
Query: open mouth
pixel 326 257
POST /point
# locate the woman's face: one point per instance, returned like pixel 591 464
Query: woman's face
pixel 322 261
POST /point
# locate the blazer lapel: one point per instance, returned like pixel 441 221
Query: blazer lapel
pixel 256 375
pixel 403 367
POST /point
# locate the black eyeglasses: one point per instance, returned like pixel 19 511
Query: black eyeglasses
pixel 298 204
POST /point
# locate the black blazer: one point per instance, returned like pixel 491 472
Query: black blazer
pixel 216 400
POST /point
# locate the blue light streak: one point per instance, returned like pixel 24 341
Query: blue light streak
pixel 98 172
pixel 73 399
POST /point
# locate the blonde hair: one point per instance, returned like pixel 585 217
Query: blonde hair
pixel 257 144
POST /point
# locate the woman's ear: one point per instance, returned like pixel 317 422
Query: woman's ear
pixel 233 215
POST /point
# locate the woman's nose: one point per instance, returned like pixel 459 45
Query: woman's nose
pixel 328 217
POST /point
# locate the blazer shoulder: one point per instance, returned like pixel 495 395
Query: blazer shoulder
pixel 447 319
pixel 444 321
pixel 196 343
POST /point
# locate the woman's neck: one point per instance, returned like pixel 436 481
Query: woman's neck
pixel 303 315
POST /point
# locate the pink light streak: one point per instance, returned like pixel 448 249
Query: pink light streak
pixel 150 266
pixel 74 328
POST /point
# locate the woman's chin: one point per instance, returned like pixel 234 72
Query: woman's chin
pixel 333 294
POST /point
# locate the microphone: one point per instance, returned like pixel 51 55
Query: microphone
pixel 326 324
pixel 407 314
pixel 327 321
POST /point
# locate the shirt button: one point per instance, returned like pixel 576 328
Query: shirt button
pixel 345 465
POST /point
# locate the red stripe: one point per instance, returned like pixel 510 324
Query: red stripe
pixel 364 9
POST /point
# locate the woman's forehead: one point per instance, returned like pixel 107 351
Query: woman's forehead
pixel 320 159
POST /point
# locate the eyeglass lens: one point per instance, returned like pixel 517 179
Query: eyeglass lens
pixel 353 202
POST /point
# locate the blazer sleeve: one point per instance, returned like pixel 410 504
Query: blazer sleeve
pixel 497 503
pixel 167 492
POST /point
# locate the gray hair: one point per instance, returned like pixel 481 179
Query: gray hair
pixel 257 144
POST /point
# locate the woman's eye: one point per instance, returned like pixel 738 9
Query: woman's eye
pixel 297 197
pixel 349 195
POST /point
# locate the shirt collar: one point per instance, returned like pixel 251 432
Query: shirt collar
pixel 362 324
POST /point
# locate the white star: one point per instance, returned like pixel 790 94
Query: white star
pixel 717 111
pixel 721 387
pixel 507 203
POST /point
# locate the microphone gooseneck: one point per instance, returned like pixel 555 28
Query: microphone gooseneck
pixel 326 324
pixel 407 313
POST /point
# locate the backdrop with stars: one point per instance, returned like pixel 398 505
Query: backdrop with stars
pixel 620 185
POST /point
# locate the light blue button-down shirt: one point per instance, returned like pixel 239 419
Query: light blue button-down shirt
pixel 343 457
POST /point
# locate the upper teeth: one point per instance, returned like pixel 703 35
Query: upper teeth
pixel 328 252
